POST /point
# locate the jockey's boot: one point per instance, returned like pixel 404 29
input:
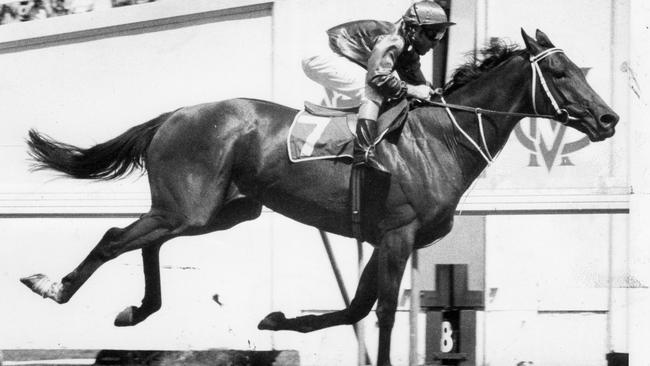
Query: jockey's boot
pixel 364 148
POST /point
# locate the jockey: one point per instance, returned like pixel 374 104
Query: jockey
pixel 377 60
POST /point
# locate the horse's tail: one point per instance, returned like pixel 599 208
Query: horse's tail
pixel 108 160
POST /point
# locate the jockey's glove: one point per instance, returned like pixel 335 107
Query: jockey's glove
pixel 419 91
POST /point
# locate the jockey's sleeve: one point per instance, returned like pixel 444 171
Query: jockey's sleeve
pixel 408 68
pixel 381 65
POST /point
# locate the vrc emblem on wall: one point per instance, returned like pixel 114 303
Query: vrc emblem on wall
pixel 546 140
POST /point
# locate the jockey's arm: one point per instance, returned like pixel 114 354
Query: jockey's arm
pixel 381 67
pixel 416 84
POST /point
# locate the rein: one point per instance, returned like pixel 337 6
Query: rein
pixel 561 115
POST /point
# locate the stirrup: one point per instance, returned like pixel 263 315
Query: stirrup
pixel 370 161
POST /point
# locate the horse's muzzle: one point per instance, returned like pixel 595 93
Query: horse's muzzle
pixel 605 124
pixel 608 120
pixel 597 127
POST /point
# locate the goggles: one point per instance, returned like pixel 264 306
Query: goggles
pixel 434 35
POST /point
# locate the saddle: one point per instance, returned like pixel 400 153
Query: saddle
pixel 320 132
pixel 323 111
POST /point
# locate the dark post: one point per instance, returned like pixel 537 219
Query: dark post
pixel 617 359
pixel 451 317
pixel 440 53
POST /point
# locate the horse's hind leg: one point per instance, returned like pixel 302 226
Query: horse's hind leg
pixel 236 210
pixel 149 230
pixel 184 202
pixel 152 301
pixel 359 308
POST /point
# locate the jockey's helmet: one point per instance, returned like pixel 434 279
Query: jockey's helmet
pixel 426 14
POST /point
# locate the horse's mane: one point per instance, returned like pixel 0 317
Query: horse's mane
pixel 496 52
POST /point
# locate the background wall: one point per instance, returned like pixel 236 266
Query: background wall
pixel 92 87
pixel 556 286
pixel 638 80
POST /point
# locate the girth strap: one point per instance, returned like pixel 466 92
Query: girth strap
pixel 356 179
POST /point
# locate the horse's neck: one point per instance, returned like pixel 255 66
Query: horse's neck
pixel 502 89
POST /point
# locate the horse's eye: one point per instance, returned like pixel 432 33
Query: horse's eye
pixel 558 74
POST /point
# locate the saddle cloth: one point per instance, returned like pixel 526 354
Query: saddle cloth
pixel 314 137
pixel 325 134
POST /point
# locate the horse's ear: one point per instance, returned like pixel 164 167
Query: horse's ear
pixel 543 40
pixel 531 45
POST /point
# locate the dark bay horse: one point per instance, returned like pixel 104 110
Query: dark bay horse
pixel 212 166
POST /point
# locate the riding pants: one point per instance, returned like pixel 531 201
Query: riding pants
pixel 344 82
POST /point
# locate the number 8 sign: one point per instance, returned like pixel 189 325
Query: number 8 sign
pixel 446 340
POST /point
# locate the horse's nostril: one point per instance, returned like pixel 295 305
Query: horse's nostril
pixel 609 119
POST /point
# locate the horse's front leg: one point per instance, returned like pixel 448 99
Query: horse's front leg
pixel 360 306
pixel 152 300
pixel 393 253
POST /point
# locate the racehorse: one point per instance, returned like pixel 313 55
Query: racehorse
pixel 212 166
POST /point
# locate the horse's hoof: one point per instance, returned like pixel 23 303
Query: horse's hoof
pixel 126 317
pixel 43 286
pixel 272 321
pixel 33 282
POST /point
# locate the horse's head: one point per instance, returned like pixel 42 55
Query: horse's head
pixel 567 93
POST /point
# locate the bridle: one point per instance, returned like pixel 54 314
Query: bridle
pixel 561 114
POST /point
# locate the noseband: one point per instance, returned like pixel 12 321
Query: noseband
pixel 561 114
